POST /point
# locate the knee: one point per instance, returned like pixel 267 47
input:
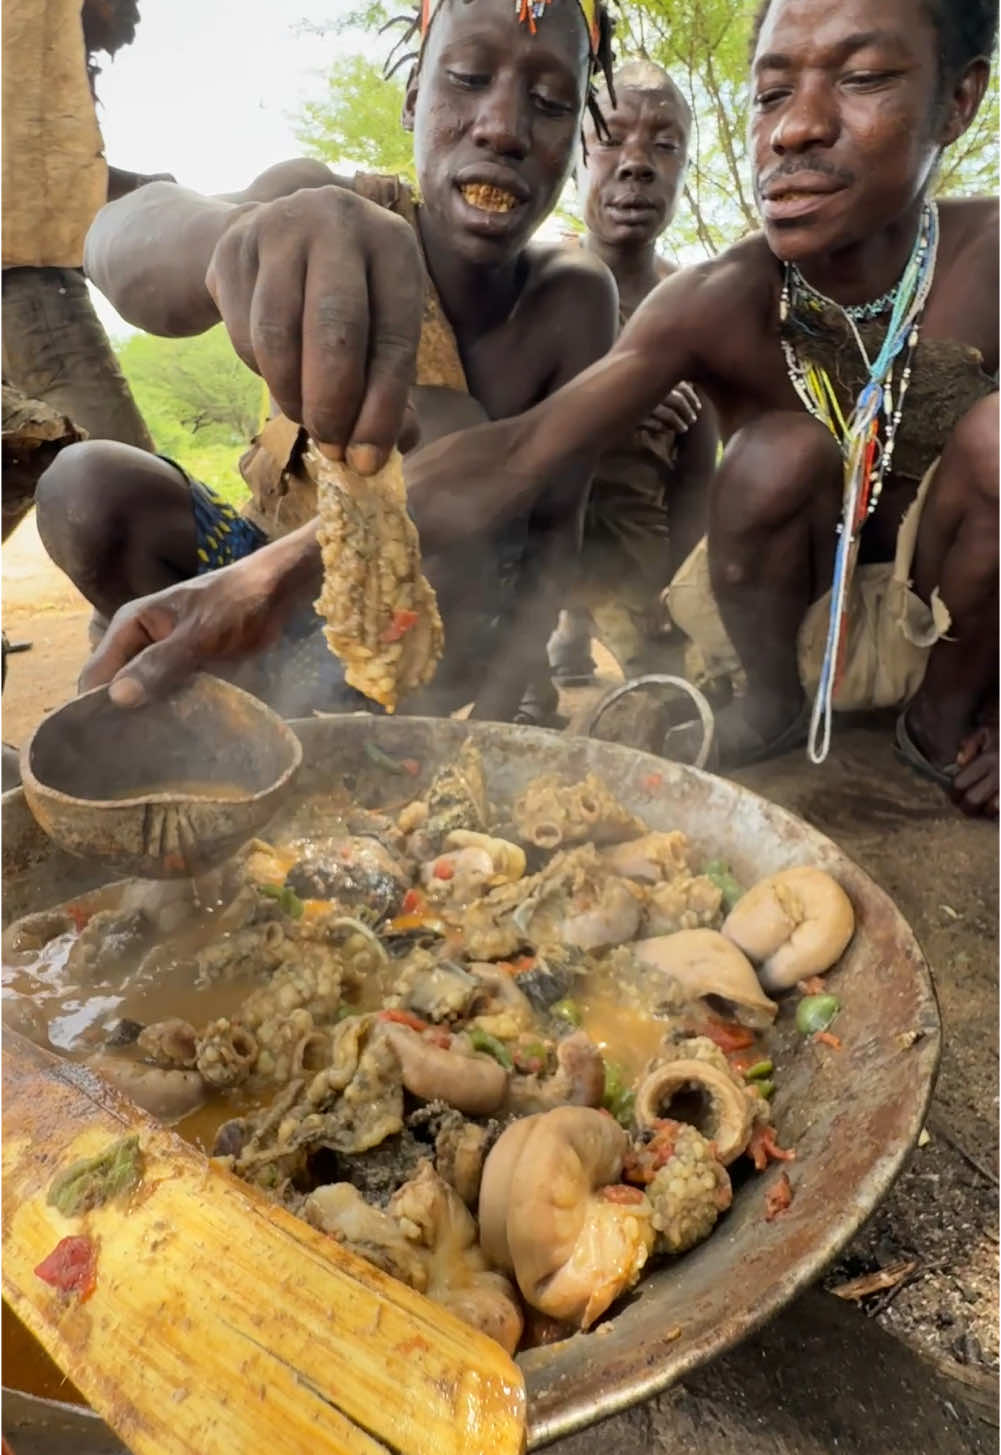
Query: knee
pixel 95 493
pixel 774 469
pixel 970 456
pixel 76 489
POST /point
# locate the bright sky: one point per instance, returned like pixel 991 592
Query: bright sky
pixel 208 88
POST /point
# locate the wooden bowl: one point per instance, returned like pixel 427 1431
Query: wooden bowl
pixel 164 791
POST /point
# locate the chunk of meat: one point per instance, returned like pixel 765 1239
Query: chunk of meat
pixel 554 813
pixel 381 615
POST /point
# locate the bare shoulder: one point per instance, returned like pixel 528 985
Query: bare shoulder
pixel 711 304
pixel 969 230
pixel 571 298
pixel 559 272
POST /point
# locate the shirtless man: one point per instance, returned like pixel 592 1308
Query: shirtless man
pixel 648 501
pixel 297 267
pixel 852 106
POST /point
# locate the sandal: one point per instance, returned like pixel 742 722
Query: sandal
pixel 908 753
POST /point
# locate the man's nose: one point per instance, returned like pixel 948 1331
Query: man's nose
pixel 808 118
pixel 635 166
pixel 503 123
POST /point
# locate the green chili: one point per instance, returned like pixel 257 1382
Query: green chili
pixel 719 871
pixel 765 1089
pixel 566 1010
pixel 759 1071
pixel 618 1098
pixel 815 1013
pixel 288 901
pixel 483 1041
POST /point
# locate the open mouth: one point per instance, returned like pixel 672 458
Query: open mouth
pixel 485 197
pixel 786 204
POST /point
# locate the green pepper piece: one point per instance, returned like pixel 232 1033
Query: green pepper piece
pixel 566 1010
pixel 382 760
pixel 722 876
pixel 618 1099
pixel 815 1013
pixel 482 1040
pixel 93 1181
pixel 759 1071
pixel 765 1089
pixel 289 903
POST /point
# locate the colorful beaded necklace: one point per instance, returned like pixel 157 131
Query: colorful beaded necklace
pixel 867 458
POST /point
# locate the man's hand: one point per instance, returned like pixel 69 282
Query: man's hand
pixel 674 415
pixel 322 294
pixel 975 786
pixel 154 643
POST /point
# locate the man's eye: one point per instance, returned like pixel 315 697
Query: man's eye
pixel 469 79
pixel 549 106
pixel 668 146
pixel 868 80
pixel 771 97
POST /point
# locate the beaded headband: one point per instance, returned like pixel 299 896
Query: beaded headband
pixel 529 12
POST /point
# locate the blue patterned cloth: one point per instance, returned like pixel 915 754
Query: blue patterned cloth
pixel 223 535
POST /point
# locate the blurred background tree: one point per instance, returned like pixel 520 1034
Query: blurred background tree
pixel 201 403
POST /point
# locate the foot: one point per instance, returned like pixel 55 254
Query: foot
pixel 975 788
pixel 963 761
pixel 569 650
pixel 538 706
pixel 747 730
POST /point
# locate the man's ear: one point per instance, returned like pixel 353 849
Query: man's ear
pixel 409 102
pixel 962 106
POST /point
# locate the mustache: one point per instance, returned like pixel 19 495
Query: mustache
pixel 806 162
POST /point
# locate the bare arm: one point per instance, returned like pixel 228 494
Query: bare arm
pixel 149 250
pixel 552 557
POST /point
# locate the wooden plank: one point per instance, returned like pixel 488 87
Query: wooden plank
pixel 221 1325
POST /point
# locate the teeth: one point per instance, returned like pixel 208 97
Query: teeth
pixel 488 198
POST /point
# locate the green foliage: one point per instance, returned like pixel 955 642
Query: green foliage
pixel 202 405
pixel 358 120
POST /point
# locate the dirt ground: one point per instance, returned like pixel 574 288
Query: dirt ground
pixel 941 870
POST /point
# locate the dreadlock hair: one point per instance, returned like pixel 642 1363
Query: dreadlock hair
pixel 967 31
pixel 602 60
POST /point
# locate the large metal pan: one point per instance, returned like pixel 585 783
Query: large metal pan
pixel 852 1115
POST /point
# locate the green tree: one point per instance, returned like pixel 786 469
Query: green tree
pixel 357 120
pixel 202 405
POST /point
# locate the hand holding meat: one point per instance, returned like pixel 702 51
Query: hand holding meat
pixel 321 293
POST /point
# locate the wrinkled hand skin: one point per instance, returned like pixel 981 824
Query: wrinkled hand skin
pixel 975 789
pixel 676 414
pixel 322 295
pixel 156 641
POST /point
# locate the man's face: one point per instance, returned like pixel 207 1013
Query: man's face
pixel 496 114
pixel 629 187
pixel 845 126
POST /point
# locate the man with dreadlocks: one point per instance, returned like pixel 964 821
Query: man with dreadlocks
pixel 647 503
pixel 319 281
pixel 850 351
